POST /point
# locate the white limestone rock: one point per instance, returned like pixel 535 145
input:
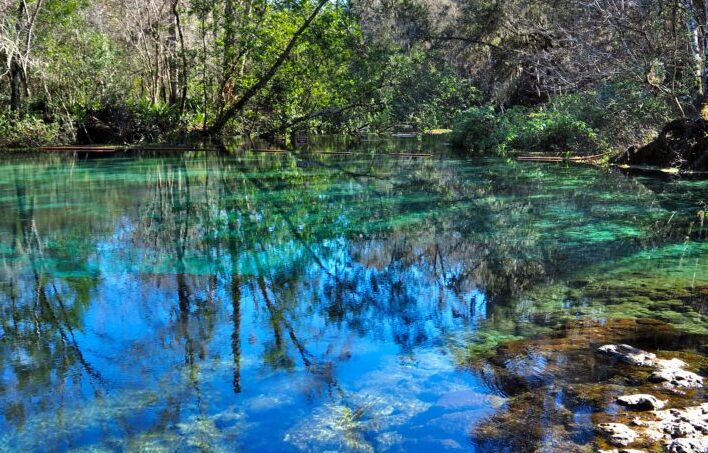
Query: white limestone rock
pixel 688 446
pixel 677 377
pixel 618 434
pixel 629 354
pixel 641 402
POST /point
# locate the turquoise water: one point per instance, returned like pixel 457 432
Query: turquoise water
pixel 308 301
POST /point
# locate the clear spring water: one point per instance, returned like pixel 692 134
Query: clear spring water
pixel 311 302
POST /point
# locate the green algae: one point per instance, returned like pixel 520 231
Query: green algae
pixel 668 283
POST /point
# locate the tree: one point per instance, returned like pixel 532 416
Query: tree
pixel 17 30
pixel 263 80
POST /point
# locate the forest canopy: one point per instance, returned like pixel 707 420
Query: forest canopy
pixel 157 70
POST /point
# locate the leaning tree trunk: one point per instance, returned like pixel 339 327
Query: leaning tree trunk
pixel 238 105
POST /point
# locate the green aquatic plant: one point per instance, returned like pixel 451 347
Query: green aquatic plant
pixel 199 433
pixel 482 345
pixel 337 425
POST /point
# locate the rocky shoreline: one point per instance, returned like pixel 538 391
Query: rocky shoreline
pixel 678 430
pixel 595 386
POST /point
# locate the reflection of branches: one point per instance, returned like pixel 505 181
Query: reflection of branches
pixel 175 210
pixel 33 246
pixel 277 316
pixel 68 339
pixel 175 215
pixel 236 332
pixel 398 255
pixel 288 221
pixel 342 170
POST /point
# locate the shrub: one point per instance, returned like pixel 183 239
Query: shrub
pixel 611 116
pixel 482 130
pixel 624 113
pixel 120 122
pixel 28 131
pixel 555 132
pixel 478 129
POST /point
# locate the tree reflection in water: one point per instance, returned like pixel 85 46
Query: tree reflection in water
pixel 206 300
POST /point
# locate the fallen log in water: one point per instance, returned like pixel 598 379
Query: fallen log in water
pixel 275 151
pixel 648 169
pixel 408 155
pixel 172 149
pixel 539 158
pixel 108 149
pixel 595 160
pixel 352 153
pixel 90 149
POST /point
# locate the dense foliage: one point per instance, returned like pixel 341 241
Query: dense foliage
pixel 93 70
pixel 590 122
pixel 563 76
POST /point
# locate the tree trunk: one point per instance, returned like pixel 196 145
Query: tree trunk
pixel 16 68
pixel 183 72
pixel 244 57
pixel 695 46
pixel 158 91
pixel 172 56
pixel 229 52
pixel 237 106
pixel 15 86
pixel 698 45
pixel 703 100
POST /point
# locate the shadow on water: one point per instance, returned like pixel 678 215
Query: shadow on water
pixel 308 301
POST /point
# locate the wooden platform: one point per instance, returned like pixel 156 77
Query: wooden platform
pixel 112 149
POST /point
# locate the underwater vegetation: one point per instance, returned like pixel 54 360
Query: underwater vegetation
pixel 308 302
pixel 560 389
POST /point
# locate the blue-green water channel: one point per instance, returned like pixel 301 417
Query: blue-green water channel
pixel 315 302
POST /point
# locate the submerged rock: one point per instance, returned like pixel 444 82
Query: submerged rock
pixel 523 426
pixel 688 446
pixel 679 430
pixel 617 433
pixel 677 377
pixel 622 450
pixel 641 402
pixel 629 354
pixel 666 371
pixel 564 392
pixel 681 144
pixel 469 399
